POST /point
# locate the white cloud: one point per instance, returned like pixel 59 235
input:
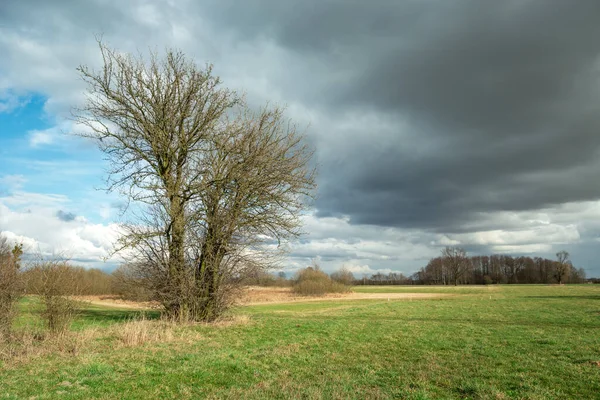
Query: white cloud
pixel 538 248
pixel 544 233
pixel 61 136
pixel 22 200
pixel 42 232
pixel 10 101
pixel 336 243
pixel 38 138
pixel 105 211
pixel 12 182
pixel 362 270
pixel 446 241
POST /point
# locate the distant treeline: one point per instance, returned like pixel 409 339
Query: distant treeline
pixel 501 269
pixel 485 270
pixel 74 280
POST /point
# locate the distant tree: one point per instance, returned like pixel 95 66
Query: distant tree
pixel 512 267
pixel 377 277
pixel 457 262
pixel 479 270
pixel 543 267
pixel 344 276
pixel 437 271
pixel 562 266
pixel 496 269
pixel 281 275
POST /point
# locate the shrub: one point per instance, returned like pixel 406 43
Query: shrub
pixel 53 282
pixel 10 285
pixel 311 281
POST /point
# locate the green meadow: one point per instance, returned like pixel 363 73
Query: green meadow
pixel 501 342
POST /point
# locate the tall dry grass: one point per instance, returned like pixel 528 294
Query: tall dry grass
pixel 137 332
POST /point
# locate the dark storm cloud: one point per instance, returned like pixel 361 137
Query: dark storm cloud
pixel 62 15
pixel 431 116
pixel 497 103
pixel 65 216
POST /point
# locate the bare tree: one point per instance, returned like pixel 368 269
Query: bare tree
pixel 456 261
pixel 512 267
pixel 563 266
pixel 211 181
pixel 343 276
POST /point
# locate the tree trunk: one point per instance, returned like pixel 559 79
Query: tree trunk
pixel 208 278
pixel 177 304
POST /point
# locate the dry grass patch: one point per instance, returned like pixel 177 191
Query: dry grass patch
pixel 256 295
pixel 117 301
pixel 138 332
pixel 27 346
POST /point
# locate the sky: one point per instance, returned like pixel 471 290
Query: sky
pixel 466 123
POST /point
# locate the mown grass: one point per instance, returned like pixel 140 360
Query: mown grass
pixel 526 342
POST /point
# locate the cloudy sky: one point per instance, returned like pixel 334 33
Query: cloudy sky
pixel 470 123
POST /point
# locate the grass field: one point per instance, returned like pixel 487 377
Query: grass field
pixel 525 342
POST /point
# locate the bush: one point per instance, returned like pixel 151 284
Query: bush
pixel 59 313
pixel 53 282
pixel 311 281
pixel 10 285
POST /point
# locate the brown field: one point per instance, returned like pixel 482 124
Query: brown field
pixel 256 295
